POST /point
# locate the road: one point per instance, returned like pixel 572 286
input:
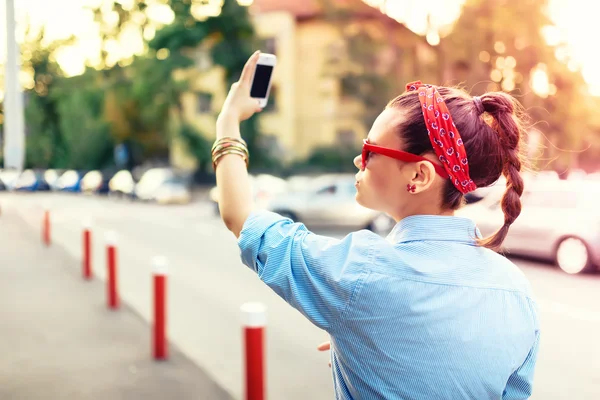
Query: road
pixel 208 283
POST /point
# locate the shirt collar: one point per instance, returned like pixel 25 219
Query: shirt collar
pixel 434 228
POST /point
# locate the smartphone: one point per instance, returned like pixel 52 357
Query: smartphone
pixel 261 81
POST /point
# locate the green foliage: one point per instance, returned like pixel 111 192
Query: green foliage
pixel 85 133
pixel 76 122
pixel 41 150
pixel 197 145
pixel 231 38
pixel 41 113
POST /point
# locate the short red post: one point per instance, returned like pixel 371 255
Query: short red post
pixel 87 250
pixel 46 228
pixel 254 318
pixel 159 328
pixel 111 273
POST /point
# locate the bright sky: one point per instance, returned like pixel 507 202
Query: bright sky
pixel 574 19
pixel 72 18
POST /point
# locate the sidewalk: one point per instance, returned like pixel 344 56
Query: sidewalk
pixel 59 341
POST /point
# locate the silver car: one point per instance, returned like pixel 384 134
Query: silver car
pixel 329 201
pixel 559 222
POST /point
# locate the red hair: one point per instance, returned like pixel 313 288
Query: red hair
pixel 491 128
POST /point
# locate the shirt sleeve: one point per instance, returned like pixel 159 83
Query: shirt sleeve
pixel 520 383
pixel 315 274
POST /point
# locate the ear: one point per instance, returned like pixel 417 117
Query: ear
pixel 422 176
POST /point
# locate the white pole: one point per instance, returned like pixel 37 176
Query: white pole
pixel 14 119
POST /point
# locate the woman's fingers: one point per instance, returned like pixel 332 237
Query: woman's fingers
pixel 248 70
pixel 324 346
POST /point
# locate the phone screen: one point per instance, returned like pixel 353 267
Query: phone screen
pixel 260 84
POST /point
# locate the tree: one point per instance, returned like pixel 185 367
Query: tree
pixel 499 45
pixel 45 146
pixel 231 38
pixel 134 120
pixel 85 132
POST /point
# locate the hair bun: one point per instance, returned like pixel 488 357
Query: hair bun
pixel 478 105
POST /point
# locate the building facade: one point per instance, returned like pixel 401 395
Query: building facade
pixel 308 107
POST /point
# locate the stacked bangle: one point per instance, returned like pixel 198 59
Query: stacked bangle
pixel 229 145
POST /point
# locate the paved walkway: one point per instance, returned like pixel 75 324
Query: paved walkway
pixel 59 341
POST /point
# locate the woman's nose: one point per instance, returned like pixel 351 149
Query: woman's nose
pixel 357 162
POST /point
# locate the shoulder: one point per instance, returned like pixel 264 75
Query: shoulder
pixel 268 230
pixel 506 273
pixel 261 221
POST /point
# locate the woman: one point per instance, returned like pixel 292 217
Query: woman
pixel 432 311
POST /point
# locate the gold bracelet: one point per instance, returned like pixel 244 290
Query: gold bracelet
pixel 230 149
pixel 227 146
pixel 217 159
pixel 226 152
pixel 228 140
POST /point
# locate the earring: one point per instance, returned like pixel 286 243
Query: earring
pixel 411 188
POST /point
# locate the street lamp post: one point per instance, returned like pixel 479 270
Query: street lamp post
pixel 14 120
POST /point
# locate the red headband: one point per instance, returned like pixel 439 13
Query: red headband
pixel 444 136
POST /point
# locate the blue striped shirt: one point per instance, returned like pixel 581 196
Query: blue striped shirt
pixel 422 314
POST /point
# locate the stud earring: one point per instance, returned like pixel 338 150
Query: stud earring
pixel 411 188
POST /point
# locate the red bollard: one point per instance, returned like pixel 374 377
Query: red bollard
pixel 111 273
pixel 159 329
pixel 254 318
pixel 87 250
pixel 46 228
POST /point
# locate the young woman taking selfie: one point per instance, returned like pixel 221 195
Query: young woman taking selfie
pixel 432 311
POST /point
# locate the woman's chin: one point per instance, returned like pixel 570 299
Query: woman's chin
pixel 359 199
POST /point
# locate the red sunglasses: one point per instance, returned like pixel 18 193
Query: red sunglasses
pixel 369 148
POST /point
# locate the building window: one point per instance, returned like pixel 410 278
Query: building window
pixel 346 137
pixel 272 101
pixel 204 102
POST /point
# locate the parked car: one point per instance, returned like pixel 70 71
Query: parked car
pixel 164 186
pixel 96 182
pixel 51 176
pixel 70 181
pixel 329 201
pixel 298 183
pixel 264 188
pixel 559 222
pixel 122 185
pixel 31 181
pixel 9 178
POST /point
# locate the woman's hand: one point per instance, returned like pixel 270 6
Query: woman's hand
pixel 239 106
pixel 325 347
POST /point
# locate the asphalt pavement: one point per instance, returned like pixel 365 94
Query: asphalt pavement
pixel 208 283
pixel 60 341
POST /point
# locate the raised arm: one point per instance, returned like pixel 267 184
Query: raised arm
pixel 235 192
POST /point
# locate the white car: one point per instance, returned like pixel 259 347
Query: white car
pixel 329 201
pixel 122 184
pixel 264 187
pixel 559 222
pixel 164 186
pixel 9 177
